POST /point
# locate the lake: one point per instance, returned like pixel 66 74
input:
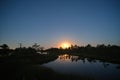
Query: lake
pixel 76 65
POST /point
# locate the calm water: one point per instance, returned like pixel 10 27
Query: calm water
pixel 75 65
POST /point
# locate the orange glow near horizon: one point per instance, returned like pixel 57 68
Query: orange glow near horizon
pixel 65 45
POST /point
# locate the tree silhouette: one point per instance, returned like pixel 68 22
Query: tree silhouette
pixel 88 46
pixel 36 46
pixel 4 49
pixel 4 46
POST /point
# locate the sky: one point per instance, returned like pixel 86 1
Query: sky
pixel 51 22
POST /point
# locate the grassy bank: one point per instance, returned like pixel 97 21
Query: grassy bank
pixel 39 59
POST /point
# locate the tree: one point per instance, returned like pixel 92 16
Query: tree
pixel 88 46
pixel 4 49
pixel 36 46
pixel 101 46
pixel 4 46
pixel 41 49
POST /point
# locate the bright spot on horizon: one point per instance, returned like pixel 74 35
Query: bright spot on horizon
pixel 65 45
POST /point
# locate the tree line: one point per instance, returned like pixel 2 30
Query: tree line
pixel 88 49
pixel 20 51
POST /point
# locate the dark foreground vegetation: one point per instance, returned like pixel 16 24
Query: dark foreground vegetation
pixel 24 63
pixel 24 56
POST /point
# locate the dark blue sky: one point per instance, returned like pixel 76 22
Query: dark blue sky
pixel 50 22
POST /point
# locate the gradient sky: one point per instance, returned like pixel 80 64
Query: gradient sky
pixel 50 22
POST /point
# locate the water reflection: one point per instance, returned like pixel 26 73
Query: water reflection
pixel 79 65
pixel 72 58
pixel 68 57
